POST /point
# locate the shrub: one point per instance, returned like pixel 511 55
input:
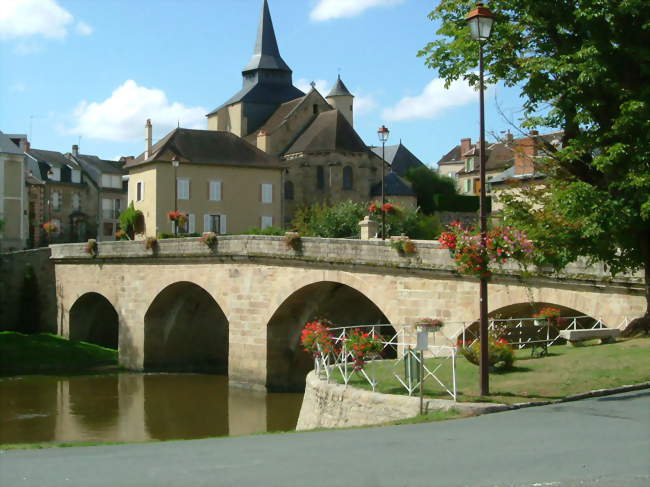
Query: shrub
pixel 403 245
pixel 267 231
pixel 131 221
pixel 362 345
pixel 316 338
pixel 151 243
pixel 209 239
pixel 500 353
pixel 91 247
pixel 293 241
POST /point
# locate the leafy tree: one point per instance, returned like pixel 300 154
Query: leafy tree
pixel 583 67
pixel 426 184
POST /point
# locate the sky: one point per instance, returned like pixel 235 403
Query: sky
pixel 90 72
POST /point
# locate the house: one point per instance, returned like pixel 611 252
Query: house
pixel 313 135
pixel 68 202
pixel 499 157
pixel 13 196
pixel 221 182
pixel 105 179
pixel 452 162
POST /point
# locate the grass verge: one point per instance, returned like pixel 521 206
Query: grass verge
pixel 29 354
pixel 566 371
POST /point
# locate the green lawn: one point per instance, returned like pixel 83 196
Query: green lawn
pixel 26 354
pixel 566 371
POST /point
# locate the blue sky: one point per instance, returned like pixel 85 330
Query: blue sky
pixel 96 69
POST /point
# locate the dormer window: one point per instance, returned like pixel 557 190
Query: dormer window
pixel 469 164
pixel 54 174
pixel 75 176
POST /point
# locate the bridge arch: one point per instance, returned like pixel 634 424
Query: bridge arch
pixel 287 363
pixel 94 319
pixel 185 329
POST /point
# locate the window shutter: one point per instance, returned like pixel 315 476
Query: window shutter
pixel 206 224
pixel 222 223
pixel 267 193
pixel 215 190
pixel 142 190
pixel 173 227
pixel 267 221
pixel 191 223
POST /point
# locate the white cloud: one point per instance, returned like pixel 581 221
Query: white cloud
pixel 364 104
pixel 323 86
pixel 432 101
pixel 335 9
pixel 26 18
pixel 121 116
pixel 83 28
pixel 17 87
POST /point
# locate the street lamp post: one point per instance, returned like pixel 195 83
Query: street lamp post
pixel 480 22
pixel 383 134
pixel 175 163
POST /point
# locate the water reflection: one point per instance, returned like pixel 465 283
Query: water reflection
pixel 137 407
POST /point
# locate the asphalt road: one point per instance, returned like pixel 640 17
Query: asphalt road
pixel 595 442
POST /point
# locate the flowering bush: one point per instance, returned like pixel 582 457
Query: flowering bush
pixel 50 228
pixel 472 257
pixel 372 209
pixel 316 334
pixel 403 245
pixel 179 218
pixel 550 314
pixel 91 247
pixel 293 241
pixel 430 323
pixel 362 345
pixel 500 353
pixel 387 208
pixel 209 239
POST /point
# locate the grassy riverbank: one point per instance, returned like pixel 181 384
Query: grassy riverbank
pixel 37 354
pixel 566 371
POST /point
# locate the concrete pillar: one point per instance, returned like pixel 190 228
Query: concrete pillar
pixel 368 228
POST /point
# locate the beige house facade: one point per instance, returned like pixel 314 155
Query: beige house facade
pixel 13 195
pixel 222 183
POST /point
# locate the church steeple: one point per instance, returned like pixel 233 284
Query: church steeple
pixel 266 54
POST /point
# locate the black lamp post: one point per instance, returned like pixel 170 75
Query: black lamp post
pixel 480 22
pixel 175 163
pixel 383 134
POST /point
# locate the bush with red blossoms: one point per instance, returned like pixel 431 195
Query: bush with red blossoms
pixel 316 338
pixel 362 345
pixel 550 314
pixel 472 257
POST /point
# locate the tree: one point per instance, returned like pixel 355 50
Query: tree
pixel 583 66
pixel 426 184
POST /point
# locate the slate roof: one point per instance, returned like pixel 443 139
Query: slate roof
pixel 101 165
pixel 208 147
pixel 339 89
pixel 451 157
pixel 281 114
pixel 329 132
pixel 399 157
pixel 266 54
pixel 7 146
pixel 393 186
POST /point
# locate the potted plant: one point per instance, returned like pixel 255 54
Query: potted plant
pixel 209 239
pixel 316 338
pixel 549 316
pixel 362 345
pixel 403 245
pixel 151 243
pixel 91 247
pixel 293 241
pixel 431 325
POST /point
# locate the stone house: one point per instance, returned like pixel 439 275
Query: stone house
pixel 13 195
pixel 223 183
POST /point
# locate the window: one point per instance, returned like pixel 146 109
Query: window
pixel 111 181
pixel 109 229
pixel 288 190
pixel 191 223
pixel 139 190
pixel 348 175
pixel 469 164
pixel 76 202
pixel 267 221
pixel 214 191
pixel 315 109
pixel 211 223
pixel 468 185
pixel 320 177
pixel 54 174
pixel 57 225
pixel 111 208
pixel 267 193
pixel 75 176
pixel 183 189
pixel 56 201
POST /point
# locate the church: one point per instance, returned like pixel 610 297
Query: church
pixel 326 160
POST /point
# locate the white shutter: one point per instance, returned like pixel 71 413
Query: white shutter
pixel 267 193
pixel 215 190
pixel 206 224
pixel 267 221
pixel 117 181
pixel 223 230
pixel 183 187
pixel 173 227
pixel 191 223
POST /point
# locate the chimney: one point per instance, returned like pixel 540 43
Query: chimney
pixel 509 137
pixel 75 150
pixel 465 145
pixel 525 151
pixel 262 141
pixel 27 147
pixel 534 133
pixel 148 129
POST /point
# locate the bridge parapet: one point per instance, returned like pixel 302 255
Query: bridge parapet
pixel 375 253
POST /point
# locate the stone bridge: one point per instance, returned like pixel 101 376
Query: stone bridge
pixel 239 307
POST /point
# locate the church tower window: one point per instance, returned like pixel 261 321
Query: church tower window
pixel 348 177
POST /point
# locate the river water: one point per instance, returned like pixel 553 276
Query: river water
pixel 137 407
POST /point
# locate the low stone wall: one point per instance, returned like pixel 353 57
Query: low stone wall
pixel 15 305
pixel 327 405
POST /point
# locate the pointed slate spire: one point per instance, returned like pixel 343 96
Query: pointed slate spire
pixel 266 54
pixel 339 89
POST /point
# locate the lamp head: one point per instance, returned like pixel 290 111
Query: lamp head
pixel 383 133
pixel 480 22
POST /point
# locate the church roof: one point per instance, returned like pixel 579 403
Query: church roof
pixel 393 186
pixel 281 114
pixel 340 89
pixel 266 54
pixel 208 147
pixel 400 158
pixel 329 132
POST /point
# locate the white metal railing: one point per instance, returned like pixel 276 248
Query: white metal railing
pixel 394 343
